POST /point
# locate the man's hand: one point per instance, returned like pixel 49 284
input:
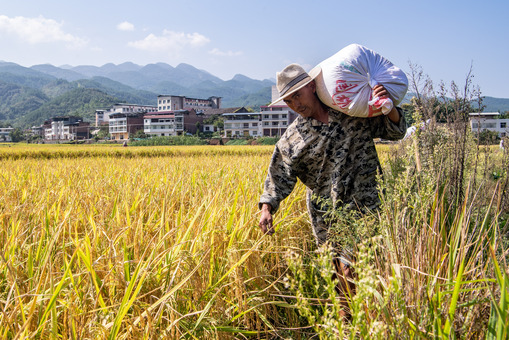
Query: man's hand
pixel 381 92
pixel 266 220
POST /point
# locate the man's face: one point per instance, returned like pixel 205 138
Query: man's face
pixel 304 101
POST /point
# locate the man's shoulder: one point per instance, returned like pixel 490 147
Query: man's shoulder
pixel 296 136
pixel 296 129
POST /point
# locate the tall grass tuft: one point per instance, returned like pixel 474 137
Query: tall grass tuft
pixel 431 262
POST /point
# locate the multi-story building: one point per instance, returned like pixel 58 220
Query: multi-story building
pixel 122 125
pixel 5 134
pixel 275 119
pixel 172 123
pixel 271 121
pixel 160 124
pixel 102 116
pixel 66 128
pixel 214 117
pixel 242 124
pixel 37 131
pixel 172 103
pixel 489 121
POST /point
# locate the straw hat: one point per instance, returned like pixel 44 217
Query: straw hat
pixel 292 79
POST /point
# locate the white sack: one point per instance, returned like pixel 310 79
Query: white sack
pixel 347 79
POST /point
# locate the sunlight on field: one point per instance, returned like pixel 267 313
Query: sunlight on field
pixel 149 242
pixel 111 241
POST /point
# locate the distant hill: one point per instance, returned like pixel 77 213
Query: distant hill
pixel 17 100
pixel 491 104
pixel 31 95
pixel 253 100
pixel 80 102
pixel 58 72
pixel 496 104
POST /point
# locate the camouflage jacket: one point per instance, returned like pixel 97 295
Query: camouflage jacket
pixel 336 161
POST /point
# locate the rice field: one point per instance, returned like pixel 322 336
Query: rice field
pixel 105 242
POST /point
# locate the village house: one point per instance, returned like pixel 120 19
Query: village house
pixel 102 116
pixel 124 125
pixel 276 119
pixel 489 121
pixel 172 123
pixel 186 116
pixel 271 121
pixel 242 124
pixel 37 131
pixel 172 103
pixel 5 134
pixel 210 114
pixel 159 124
pixel 66 128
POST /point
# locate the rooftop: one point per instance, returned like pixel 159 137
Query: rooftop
pixel 159 116
pixel 242 114
pixel 210 112
pixel 484 114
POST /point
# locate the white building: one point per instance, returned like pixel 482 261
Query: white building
pixel 271 121
pixel 123 125
pixel 66 128
pixel 5 134
pixel 160 124
pixel 172 123
pixel 172 103
pixel 118 127
pixel 102 116
pixel 242 124
pixel 209 128
pixel 489 121
pixel 275 119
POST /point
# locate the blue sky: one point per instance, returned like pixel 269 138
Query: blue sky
pixel 257 38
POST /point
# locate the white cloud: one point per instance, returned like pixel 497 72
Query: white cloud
pixel 38 30
pixel 220 53
pixel 170 41
pixel 125 26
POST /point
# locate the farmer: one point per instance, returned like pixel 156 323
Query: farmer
pixel 331 153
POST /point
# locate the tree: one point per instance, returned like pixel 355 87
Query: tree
pixel 140 135
pixel 198 128
pixel 504 115
pixel 217 121
pixel 408 111
pixel 103 132
pixel 16 135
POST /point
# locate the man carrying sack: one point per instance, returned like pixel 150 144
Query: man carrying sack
pixel 332 153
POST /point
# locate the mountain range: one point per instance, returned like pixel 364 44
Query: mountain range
pixel 31 95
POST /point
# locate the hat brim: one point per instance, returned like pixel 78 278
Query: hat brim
pixel 315 72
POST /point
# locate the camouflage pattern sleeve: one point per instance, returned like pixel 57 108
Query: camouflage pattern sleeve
pixel 384 128
pixel 279 183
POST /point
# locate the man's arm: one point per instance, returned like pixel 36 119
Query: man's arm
pixel 266 219
pixel 393 125
pixel 380 91
pixel 278 185
pixel 394 115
